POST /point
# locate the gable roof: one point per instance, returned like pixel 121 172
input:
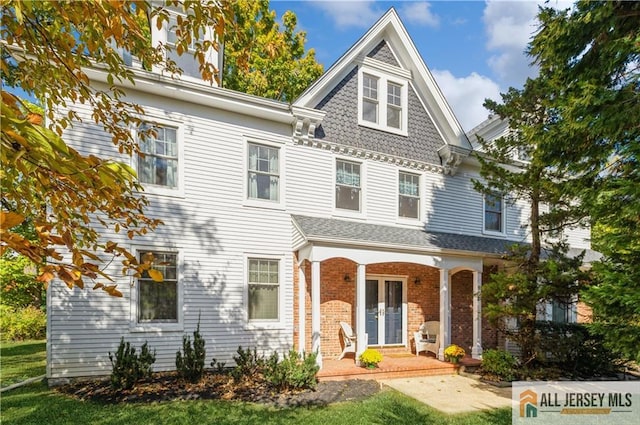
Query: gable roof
pixel 389 28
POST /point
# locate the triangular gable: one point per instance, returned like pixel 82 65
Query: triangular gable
pixel 388 41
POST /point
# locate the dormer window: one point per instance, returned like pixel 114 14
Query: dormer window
pixel 167 34
pixel 382 94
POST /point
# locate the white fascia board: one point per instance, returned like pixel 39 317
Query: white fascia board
pixel 202 94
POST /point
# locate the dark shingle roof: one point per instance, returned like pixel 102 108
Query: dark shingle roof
pixel 353 232
pixel 315 228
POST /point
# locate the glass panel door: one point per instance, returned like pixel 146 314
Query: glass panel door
pixel 371 300
pixel 393 312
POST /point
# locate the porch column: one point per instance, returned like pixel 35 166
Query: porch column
pixel 315 311
pixel 361 330
pixel 476 350
pixel 302 325
pixel 445 313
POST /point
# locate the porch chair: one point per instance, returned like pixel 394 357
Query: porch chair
pixel 428 337
pixel 348 338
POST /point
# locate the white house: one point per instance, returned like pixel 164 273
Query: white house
pixel 354 204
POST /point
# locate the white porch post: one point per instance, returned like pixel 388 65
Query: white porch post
pixel 361 332
pixel 315 310
pixel 445 313
pixel 302 325
pixel 476 350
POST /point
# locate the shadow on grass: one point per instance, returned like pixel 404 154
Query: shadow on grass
pixel 22 360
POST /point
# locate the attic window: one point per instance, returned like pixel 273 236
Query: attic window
pixel 382 100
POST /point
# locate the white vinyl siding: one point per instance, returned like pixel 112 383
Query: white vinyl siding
pixel 209 227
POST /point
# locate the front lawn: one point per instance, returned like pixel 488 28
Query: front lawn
pixel 36 404
pixel 21 360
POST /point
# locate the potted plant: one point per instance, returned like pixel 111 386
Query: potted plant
pixel 370 358
pixel 453 353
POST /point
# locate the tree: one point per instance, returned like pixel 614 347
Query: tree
pixel 72 198
pixel 590 57
pixel 276 64
pixel 514 166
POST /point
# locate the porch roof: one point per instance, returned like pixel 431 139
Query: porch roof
pixel 317 229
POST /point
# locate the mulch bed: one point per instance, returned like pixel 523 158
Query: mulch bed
pixel 167 386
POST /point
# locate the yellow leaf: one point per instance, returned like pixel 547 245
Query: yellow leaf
pixel 156 275
pixel 98 285
pixel 9 219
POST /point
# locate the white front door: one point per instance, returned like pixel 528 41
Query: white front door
pixel 386 310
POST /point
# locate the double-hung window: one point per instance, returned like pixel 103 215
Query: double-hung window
pixel 263 173
pixel 158 162
pixel 158 301
pixel 383 92
pixel 348 185
pixel 369 98
pixel 186 62
pixel 264 289
pixel 493 213
pixel 408 195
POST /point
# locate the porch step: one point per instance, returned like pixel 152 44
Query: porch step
pixel 339 370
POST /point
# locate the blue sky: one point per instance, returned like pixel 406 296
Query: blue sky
pixel 475 49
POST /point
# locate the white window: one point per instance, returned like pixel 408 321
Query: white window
pixel 263 173
pixel 394 105
pixel 158 301
pixel 158 160
pixel 187 62
pixel 383 96
pixel 369 98
pixel 408 195
pixel 494 213
pixel 264 289
pixel 348 185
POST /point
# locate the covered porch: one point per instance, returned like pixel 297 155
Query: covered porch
pixel 384 291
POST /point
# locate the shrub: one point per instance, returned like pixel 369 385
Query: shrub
pixel 190 365
pixel 370 358
pixel 17 288
pixel 572 348
pixel 22 323
pixel 499 364
pixel 293 371
pixel 248 363
pixel 129 367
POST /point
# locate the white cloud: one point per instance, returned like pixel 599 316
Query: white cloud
pixel 419 13
pixel 466 95
pixel 346 14
pixel 510 25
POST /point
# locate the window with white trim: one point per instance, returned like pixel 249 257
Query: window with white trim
pixel 369 98
pixel 408 195
pixel 263 173
pixel 158 301
pixel 348 185
pixel 493 213
pixel 158 158
pixel 264 289
pixel 383 97
pixel 187 62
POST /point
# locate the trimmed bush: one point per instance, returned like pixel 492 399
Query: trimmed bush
pixel 190 365
pixel 293 371
pixel 17 324
pixel 129 367
pixel 248 363
pixel 499 364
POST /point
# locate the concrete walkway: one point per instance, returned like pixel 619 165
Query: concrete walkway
pixel 452 393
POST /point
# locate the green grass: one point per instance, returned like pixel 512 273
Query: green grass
pixel 36 404
pixel 21 360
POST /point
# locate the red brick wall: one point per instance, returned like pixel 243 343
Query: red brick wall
pixel 490 337
pixel 462 310
pixel 584 313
